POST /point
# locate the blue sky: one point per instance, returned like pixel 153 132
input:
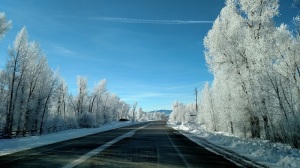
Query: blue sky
pixel 149 51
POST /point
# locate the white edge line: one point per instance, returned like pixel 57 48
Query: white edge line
pixel 194 139
pixel 101 148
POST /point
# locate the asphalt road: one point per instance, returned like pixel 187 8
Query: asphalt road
pixel 143 145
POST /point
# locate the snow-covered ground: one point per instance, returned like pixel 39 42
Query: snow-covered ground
pixel 8 146
pixel 260 151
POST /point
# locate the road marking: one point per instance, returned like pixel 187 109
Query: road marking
pixel 218 151
pixel 49 149
pixel 101 148
pixel 179 153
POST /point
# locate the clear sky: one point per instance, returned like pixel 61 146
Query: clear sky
pixel 149 51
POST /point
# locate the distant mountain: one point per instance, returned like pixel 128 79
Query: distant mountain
pixel 167 112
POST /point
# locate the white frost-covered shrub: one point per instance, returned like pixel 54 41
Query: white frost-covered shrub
pixel 86 120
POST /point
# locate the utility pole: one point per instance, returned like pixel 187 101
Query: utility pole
pixel 196 94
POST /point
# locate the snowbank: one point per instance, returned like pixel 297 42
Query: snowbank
pixel 8 146
pixel 260 151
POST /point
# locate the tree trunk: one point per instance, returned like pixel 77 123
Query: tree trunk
pixel 266 127
pixel 231 127
pixel 255 128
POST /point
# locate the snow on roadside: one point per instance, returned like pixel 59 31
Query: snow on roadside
pixel 8 146
pixel 260 151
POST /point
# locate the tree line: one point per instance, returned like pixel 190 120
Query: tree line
pixel 255 92
pixel 35 99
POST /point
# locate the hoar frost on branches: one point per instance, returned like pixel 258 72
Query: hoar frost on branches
pixel 256 66
pixel 4 25
pixel 35 100
pixel 181 113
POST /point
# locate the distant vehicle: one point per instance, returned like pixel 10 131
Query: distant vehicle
pixel 123 119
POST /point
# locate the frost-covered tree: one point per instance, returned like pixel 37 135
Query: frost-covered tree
pixel 14 72
pixel 98 91
pixel 81 100
pixel 35 100
pixel 48 92
pixel 124 112
pixel 4 27
pixel 296 19
pixel 30 86
pixel 256 72
pixel 4 24
pixel 208 105
pixel 139 114
pixel 150 116
pixel 181 113
pixel 104 106
pixel 61 99
pixel 134 106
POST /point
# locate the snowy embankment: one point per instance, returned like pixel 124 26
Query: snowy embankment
pixel 260 151
pixel 8 146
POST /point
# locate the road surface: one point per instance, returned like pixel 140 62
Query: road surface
pixel 144 145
